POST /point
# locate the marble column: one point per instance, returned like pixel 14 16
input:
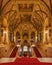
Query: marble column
pixel 36 37
pixel 5 31
pixel 14 37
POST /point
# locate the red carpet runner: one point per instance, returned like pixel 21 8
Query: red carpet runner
pixel 37 52
pixel 27 60
pixel 13 54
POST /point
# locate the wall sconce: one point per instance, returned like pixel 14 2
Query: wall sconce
pixel 18 45
pixel 47 31
pixel 5 32
pixel 33 45
pixel 36 38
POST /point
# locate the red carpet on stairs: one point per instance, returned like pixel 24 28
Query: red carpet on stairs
pixel 13 54
pixel 37 52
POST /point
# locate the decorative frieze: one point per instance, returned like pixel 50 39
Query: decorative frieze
pixel 25 7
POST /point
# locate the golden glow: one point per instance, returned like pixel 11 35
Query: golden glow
pixel 46 22
pixel 5 32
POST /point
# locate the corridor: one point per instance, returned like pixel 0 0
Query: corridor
pixel 26 28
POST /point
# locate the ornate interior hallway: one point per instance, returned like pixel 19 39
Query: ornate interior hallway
pixel 26 28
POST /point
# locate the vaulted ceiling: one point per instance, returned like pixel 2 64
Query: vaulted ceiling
pixel 10 10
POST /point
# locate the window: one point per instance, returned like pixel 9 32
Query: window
pixel 32 35
pixel 11 36
pixel 25 48
pixel 18 35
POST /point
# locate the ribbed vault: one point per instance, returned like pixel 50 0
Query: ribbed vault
pixel 41 10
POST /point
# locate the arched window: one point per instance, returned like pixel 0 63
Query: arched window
pixel 41 35
pixel 25 48
pixel 25 34
pixel 21 51
pixel 18 35
pixel 32 38
pixel 32 35
pixel 11 35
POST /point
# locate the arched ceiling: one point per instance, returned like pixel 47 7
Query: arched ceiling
pixel 40 10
